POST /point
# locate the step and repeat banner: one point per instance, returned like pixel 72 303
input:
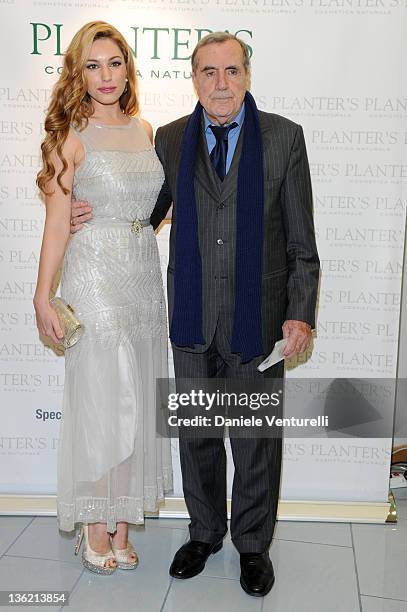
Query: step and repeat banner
pixel 338 68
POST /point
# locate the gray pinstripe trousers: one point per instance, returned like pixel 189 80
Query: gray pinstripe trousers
pixel 257 461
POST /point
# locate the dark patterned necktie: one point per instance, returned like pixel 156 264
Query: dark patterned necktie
pixel 220 150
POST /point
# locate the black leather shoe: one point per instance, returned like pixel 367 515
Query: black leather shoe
pixel 190 559
pixel 257 574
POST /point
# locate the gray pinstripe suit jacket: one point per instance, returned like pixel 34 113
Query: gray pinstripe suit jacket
pixel 290 259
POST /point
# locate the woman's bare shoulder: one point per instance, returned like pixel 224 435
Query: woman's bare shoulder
pixel 73 147
pixel 148 128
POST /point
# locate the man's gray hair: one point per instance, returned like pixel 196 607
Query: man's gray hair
pixel 221 37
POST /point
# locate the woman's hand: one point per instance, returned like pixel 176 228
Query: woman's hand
pixel 47 321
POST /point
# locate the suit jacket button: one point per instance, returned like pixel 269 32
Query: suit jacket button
pixel 219 241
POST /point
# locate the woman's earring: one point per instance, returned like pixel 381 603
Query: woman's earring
pixel 126 88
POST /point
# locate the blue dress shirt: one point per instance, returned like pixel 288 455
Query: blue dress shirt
pixel 232 136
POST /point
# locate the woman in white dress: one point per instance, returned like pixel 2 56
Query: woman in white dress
pixel 112 464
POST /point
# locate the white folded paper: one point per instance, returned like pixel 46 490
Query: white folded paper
pixel 275 356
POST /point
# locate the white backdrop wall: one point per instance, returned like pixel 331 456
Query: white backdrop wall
pixel 337 67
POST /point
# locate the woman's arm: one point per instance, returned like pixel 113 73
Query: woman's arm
pixel 55 238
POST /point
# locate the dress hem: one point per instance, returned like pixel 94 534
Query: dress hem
pixel 125 509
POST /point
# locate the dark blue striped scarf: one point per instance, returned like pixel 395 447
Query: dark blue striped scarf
pixel 186 324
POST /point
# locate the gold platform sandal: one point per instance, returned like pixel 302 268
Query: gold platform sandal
pixel 93 561
pixel 122 556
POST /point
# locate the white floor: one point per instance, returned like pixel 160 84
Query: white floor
pixel 320 567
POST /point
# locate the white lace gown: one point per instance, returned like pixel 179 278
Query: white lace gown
pixel 112 465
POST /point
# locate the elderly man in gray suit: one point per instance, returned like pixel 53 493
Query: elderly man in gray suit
pixel 243 273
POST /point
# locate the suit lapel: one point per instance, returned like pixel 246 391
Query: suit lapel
pixel 229 185
pixel 206 174
pixel 204 171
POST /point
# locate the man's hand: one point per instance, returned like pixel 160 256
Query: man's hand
pixel 80 213
pixel 299 336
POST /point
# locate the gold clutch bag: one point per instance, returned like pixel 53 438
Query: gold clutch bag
pixel 71 326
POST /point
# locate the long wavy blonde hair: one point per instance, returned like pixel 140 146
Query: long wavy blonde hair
pixel 70 102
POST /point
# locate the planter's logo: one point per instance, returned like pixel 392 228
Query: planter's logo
pixel 169 44
pixel 42 33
